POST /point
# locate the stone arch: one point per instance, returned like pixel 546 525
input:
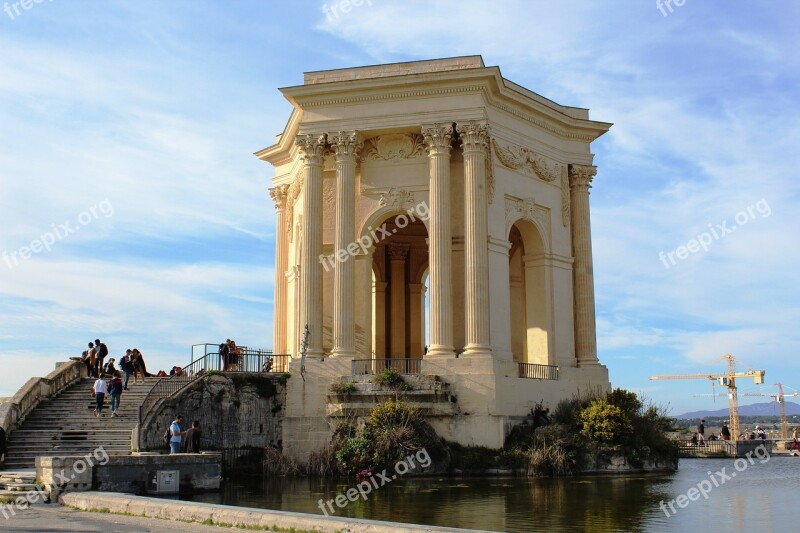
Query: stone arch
pixel 529 285
pixel 399 257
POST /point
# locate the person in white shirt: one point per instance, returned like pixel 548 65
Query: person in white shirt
pixel 99 390
pixel 177 434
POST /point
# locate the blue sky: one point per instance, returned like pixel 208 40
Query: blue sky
pixel 135 123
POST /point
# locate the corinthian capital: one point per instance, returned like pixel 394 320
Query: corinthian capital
pixel 312 146
pixel 474 136
pixel 437 138
pixel 580 176
pixel 279 195
pixel 346 145
pixel 398 252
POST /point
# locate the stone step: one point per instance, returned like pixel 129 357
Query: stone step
pixel 17 486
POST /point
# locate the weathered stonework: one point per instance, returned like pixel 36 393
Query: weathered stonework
pixel 234 411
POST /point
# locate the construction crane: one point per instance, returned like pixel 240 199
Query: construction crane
pixel 781 404
pixel 728 379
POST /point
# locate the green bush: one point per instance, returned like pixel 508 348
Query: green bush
pixel 344 388
pixel 390 378
pixel 605 423
pixel 393 430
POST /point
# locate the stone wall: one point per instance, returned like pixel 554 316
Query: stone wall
pixel 129 474
pixel 235 411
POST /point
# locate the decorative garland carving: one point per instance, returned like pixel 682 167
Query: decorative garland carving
pixel 489 177
pixel 398 197
pixel 394 146
pixel 565 206
pixel 294 191
pixel 526 160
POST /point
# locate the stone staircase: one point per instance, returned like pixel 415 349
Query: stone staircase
pixel 15 483
pixel 66 425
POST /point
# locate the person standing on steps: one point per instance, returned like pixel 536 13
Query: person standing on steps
pixel 126 365
pixel 115 391
pixel 99 390
pixel 102 352
pixel 92 358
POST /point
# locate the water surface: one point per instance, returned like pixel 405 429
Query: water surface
pixel 761 497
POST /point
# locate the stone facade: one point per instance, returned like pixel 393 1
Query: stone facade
pixel 442 171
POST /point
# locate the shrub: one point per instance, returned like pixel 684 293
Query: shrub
pixel 344 388
pixel 390 378
pixel 605 423
pixel 393 430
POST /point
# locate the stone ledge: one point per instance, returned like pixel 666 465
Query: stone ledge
pixel 240 516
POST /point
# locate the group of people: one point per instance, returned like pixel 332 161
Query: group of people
pixel 229 355
pixel 183 441
pixel 698 438
pixel 113 388
pixel 93 358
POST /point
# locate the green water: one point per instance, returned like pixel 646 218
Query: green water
pixel 761 497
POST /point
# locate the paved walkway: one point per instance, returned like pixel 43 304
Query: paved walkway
pixel 58 519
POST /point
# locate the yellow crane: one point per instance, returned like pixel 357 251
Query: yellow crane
pixel 728 379
pixel 781 404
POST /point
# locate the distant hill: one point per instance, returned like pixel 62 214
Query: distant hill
pixel 756 409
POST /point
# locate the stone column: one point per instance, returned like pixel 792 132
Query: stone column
pixel 437 140
pixel 346 146
pixel 312 147
pixel 474 141
pixel 416 324
pixel 379 341
pixel 279 195
pixel 580 180
pixel 397 255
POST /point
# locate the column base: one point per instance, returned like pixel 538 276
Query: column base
pixel 439 351
pixel 344 353
pixel 475 350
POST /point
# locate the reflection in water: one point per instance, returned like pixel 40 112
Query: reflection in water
pixel 760 498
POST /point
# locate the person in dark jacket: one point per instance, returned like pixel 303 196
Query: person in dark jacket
pixel 3 449
pixel 191 442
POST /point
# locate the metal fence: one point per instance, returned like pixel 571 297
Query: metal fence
pixel 362 367
pixel 533 371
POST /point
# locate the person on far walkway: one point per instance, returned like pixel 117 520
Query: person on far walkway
pixel 701 432
pixel 191 442
pixel 795 444
pixel 115 391
pixel 99 390
pixel 177 435
pixel 725 433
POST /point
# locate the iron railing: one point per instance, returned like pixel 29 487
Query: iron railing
pixel 362 367
pixel 533 371
pixel 206 358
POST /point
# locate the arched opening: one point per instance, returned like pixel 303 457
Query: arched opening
pixel 399 273
pixel 530 320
